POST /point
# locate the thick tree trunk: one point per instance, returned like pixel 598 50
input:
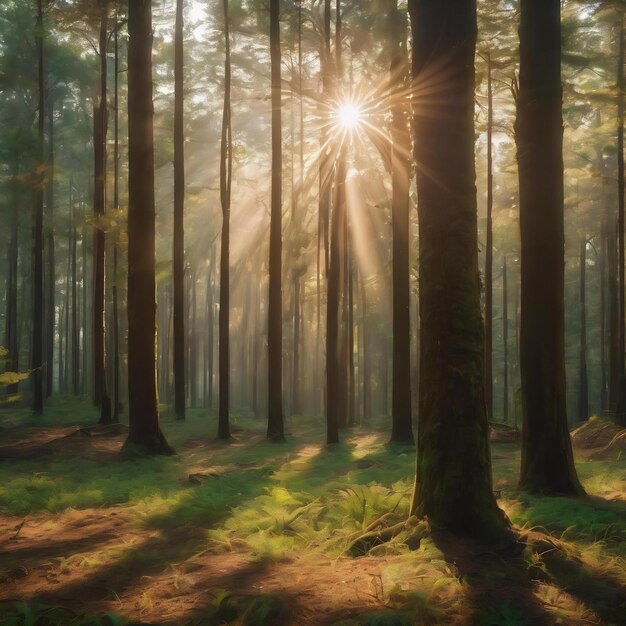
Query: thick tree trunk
pixel 453 480
pixel 179 212
pixel 36 362
pixel 547 459
pixel 401 415
pixel 275 428
pixel 144 431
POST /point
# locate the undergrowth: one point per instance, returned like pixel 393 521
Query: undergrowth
pixel 273 501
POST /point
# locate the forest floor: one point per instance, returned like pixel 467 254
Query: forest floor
pixel 257 533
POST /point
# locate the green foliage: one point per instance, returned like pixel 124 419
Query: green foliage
pixel 43 615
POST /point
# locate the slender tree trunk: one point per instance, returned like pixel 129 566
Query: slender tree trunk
pixel 38 287
pixel 144 431
pixel 505 342
pixel 489 252
pixel 116 206
pixel 179 212
pixel 583 390
pixel 11 325
pixel 453 480
pixel 401 424
pixel 620 416
pixel 101 396
pixel 275 428
pixel 51 277
pixel 211 325
pixel 547 459
pixel 226 163
pixel 367 395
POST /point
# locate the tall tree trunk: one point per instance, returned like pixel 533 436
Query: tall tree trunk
pixel 401 424
pixel 226 162
pixel 505 342
pixel 489 252
pixel 367 394
pixel 547 459
pixel 75 327
pixel 453 480
pixel 36 363
pixel 101 397
pixel 583 387
pixel 51 277
pixel 275 428
pixel 620 416
pixel 144 430
pixel 11 325
pixel 193 344
pixel 116 206
pixel 211 326
pixel 179 212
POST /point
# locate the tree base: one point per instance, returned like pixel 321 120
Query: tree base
pixel 152 446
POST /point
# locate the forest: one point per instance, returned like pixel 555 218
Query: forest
pixel 312 312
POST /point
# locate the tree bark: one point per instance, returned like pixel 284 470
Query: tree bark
pixel 11 324
pixel 275 427
pixel 36 363
pixel 505 342
pixel 489 252
pixel 144 434
pixel 100 114
pixel 50 259
pixel 179 212
pixel 620 415
pixel 401 416
pixel 547 459
pixel 583 386
pixel 453 485
pixel 226 163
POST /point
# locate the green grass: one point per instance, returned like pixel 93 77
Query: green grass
pixel 275 500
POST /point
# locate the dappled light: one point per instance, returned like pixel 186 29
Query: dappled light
pixel 312 312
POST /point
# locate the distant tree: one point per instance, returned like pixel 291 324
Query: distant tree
pixel 453 485
pixel 275 427
pixel 226 163
pixel 144 430
pixel 179 214
pixel 547 459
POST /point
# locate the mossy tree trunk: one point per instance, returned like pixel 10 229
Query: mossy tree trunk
pixel 453 485
pixel 547 459
pixel 144 430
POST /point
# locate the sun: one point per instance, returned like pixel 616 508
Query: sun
pixel 348 115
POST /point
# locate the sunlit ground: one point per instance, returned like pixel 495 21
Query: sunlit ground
pixel 259 533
